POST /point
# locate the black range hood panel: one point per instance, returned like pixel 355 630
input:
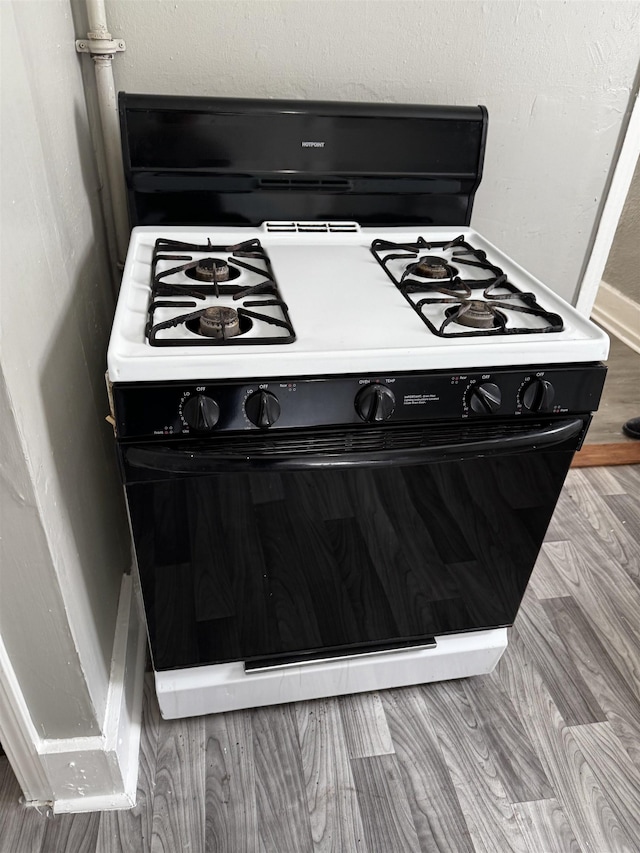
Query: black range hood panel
pixel 220 161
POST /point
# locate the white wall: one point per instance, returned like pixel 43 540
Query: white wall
pixel 31 601
pixel 65 541
pixel 556 78
pixel 623 267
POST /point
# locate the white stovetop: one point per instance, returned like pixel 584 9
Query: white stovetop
pixel 347 314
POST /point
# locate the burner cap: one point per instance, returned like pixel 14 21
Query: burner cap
pixel 476 314
pixel 220 322
pixel 210 270
pixel 431 266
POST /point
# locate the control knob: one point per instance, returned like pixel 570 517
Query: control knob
pixel 375 403
pixel 262 409
pixel 538 396
pixel 485 399
pixel 201 412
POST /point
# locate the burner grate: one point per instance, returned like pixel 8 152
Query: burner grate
pixel 210 278
pixel 471 307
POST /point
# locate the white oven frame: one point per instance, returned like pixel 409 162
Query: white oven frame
pixel 223 687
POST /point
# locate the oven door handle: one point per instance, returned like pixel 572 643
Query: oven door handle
pixel 169 461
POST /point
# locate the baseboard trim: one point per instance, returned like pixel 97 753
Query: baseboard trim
pixel 99 774
pixel 618 314
pixel 83 774
pixel 594 455
pixel 19 736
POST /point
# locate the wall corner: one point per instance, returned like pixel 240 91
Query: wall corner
pixel 92 773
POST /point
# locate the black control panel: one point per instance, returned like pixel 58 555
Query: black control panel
pixel 163 411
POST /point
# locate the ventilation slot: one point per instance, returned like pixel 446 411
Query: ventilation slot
pixel 281 227
pixel 312 227
pixel 302 184
pixel 357 440
pixel 347 227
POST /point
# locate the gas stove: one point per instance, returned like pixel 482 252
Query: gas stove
pixel 319 298
pixel 328 391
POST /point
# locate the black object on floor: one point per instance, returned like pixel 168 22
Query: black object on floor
pixel 632 428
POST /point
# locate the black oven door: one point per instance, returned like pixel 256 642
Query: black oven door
pixel 279 550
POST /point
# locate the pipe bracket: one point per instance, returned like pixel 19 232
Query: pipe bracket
pixel 99 46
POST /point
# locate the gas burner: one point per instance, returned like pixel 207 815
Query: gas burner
pixel 448 305
pixel 211 270
pixel 258 307
pixel 431 266
pixel 219 322
pixel 476 314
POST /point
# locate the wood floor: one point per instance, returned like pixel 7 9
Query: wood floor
pixel 541 756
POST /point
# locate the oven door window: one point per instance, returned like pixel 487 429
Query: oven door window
pixel 273 564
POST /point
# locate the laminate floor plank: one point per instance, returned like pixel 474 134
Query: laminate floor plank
pixel 545 827
pixel 365 725
pixel 71 833
pixel 629 478
pixel 545 581
pixel 600 479
pixel 21 828
pixel 569 691
pixel 336 823
pixel 7 806
pixel 179 798
pixel 626 508
pixel 483 799
pixel 283 818
pixel 615 696
pixel 595 531
pixel 592 821
pixel 618 777
pixel 433 800
pixel 386 814
pixel 516 760
pixel 566 523
pixel 623 548
pixel 130 830
pixel 609 598
pixel 231 819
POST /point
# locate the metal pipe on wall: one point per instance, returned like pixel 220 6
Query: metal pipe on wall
pixel 102 48
pixel 97 17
